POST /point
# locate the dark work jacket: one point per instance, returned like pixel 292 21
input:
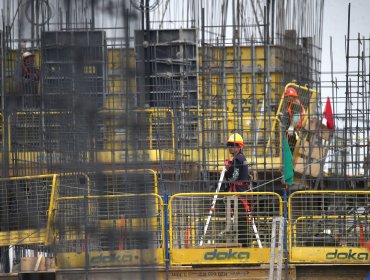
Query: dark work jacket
pixel 237 174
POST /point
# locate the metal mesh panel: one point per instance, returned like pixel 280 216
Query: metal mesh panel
pixel 107 223
pixel 147 129
pixel 25 203
pixel 124 182
pixel 73 184
pixel 26 129
pixel 228 225
pixel 166 96
pixel 329 219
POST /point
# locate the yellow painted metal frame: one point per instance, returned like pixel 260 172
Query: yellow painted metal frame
pixel 327 255
pixel 197 256
pixel 53 197
pixel 311 108
pixel 32 236
pixel 152 113
pixel 312 97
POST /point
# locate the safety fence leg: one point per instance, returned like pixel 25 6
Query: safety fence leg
pixel 279 264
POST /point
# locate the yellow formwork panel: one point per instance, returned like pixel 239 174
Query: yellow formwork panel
pixel 230 237
pixel 135 156
pixel 118 86
pixel 218 156
pixel 246 55
pixel 228 91
pixel 117 59
pixel 41 157
pixel 23 237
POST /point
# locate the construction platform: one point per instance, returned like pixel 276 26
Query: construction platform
pixel 295 272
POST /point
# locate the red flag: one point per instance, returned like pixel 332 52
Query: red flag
pixel 328 119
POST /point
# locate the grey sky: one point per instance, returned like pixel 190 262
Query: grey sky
pixel 335 25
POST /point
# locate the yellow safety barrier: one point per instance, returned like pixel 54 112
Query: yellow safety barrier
pixel 329 227
pixel 224 234
pixel 109 230
pixel 25 209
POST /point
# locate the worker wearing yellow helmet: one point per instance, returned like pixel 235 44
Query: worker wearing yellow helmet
pixel 237 168
pixel 238 181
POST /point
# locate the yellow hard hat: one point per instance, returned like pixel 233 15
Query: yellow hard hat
pixel 236 138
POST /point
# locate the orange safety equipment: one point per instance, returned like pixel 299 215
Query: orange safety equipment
pixel 291 92
pixel 236 138
pixel 296 113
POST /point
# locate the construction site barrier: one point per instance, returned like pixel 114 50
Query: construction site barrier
pixel 25 204
pixel 236 230
pixel 109 230
pixel 329 227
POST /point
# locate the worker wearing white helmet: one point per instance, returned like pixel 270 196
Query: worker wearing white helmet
pixel 27 55
pixel 30 73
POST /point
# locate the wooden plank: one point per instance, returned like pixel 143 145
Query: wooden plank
pixel 176 273
pixel 37 265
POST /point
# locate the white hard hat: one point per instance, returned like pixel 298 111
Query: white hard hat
pixel 27 54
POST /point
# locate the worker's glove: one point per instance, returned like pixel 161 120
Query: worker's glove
pixel 228 163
